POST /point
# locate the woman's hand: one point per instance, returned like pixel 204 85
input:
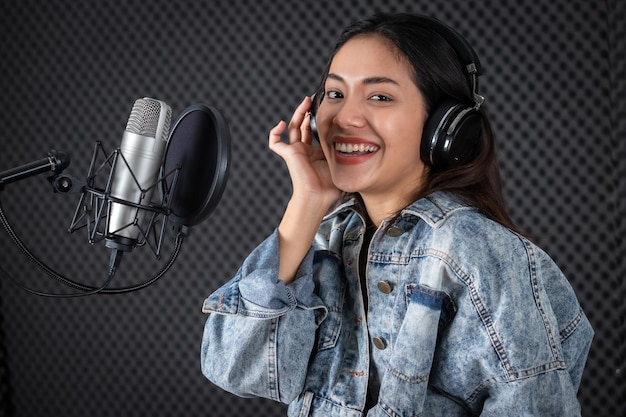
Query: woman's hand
pixel 313 190
pixel 310 175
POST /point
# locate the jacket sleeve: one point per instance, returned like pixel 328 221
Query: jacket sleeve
pixel 260 333
pixel 549 388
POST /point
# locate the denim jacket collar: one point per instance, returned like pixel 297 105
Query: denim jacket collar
pixel 434 209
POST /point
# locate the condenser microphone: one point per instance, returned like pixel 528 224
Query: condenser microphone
pixel 187 165
pixel 136 171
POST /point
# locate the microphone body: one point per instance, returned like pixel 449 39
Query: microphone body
pixel 137 170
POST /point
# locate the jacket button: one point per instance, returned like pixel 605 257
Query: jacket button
pixel 380 343
pixel 394 231
pixel 384 287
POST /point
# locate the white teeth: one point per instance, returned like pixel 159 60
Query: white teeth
pixel 354 147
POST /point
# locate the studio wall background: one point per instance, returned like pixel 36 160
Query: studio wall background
pixel 70 72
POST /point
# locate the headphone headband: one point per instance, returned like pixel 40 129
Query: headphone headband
pixel 462 47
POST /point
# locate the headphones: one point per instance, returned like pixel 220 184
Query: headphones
pixel 452 133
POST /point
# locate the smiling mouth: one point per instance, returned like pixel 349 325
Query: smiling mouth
pixel 355 149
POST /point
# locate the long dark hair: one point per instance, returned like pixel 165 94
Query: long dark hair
pixel 439 74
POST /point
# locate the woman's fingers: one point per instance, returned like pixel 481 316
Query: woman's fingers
pixel 296 131
pixel 277 131
pixel 305 129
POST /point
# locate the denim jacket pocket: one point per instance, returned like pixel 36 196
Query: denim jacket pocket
pixel 437 300
pixel 403 388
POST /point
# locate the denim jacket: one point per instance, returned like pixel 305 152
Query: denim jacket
pixel 464 318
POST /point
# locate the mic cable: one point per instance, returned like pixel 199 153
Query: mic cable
pixel 87 290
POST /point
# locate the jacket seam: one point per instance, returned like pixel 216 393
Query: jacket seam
pixel 552 366
pixel 272 354
pixel 571 326
pixel 419 379
pixel 532 262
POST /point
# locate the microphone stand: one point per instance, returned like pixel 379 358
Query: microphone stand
pixel 57 162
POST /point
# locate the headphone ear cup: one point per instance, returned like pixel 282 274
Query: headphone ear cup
pixel 316 100
pixel 451 135
pixel 313 124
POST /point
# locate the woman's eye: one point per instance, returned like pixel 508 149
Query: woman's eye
pixel 380 97
pixel 333 94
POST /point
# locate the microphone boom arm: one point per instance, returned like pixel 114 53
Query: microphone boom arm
pixel 55 162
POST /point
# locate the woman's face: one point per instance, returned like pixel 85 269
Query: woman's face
pixel 370 121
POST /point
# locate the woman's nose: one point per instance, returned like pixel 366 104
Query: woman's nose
pixel 350 114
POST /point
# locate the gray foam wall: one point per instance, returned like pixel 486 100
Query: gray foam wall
pixel 70 72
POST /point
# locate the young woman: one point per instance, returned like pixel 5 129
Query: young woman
pixel 396 284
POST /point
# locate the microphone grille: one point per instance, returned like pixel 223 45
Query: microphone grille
pixel 145 116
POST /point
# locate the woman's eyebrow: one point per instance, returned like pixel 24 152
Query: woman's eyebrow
pixel 369 80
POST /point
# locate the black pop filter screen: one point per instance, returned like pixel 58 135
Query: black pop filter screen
pixel 199 145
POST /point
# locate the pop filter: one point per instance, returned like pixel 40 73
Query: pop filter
pixel 199 148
